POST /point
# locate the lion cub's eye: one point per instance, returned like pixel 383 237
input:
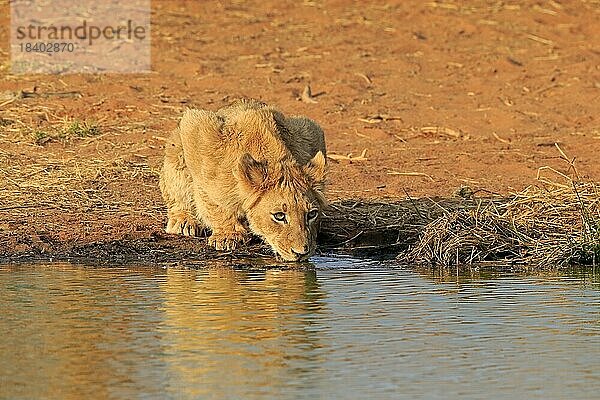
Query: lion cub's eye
pixel 312 214
pixel 279 216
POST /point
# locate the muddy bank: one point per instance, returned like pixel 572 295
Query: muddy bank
pixel 540 228
pixel 359 228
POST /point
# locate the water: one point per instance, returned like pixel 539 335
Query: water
pixel 340 330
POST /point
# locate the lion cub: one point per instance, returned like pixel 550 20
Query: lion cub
pixel 246 169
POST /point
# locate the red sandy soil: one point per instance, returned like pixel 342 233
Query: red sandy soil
pixel 439 94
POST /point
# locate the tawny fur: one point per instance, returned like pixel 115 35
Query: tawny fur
pixel 232 171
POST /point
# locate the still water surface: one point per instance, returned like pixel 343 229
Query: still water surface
pixel 341 330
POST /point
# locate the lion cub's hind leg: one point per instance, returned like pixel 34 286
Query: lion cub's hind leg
pixel 176 188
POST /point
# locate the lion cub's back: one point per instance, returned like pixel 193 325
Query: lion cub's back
pixel 202 136
pixel 302 136
pixel 232 110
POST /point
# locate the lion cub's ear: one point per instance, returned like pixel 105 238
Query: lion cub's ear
pixel 251 173
pixel 316 168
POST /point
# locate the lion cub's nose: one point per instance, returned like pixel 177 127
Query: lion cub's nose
pixel 301 252
pixel 304 252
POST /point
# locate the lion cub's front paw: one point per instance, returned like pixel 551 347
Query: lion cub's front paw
pixel 227 241
pixel 183 225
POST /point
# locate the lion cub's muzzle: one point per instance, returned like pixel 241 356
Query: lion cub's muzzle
pixel 303 254
pixel 296 254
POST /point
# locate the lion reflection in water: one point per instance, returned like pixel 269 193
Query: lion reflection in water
pixel 222 326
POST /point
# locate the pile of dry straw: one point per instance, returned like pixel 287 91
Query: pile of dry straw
pixel 553 224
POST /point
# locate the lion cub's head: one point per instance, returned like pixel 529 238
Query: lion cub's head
pixel 284 202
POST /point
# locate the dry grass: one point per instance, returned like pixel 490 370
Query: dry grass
pixel 553 224
pixel 39 124
pixel 63 131
pixel 541 227
pixel 45 184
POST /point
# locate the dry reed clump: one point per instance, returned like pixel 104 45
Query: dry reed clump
pixel 546 226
